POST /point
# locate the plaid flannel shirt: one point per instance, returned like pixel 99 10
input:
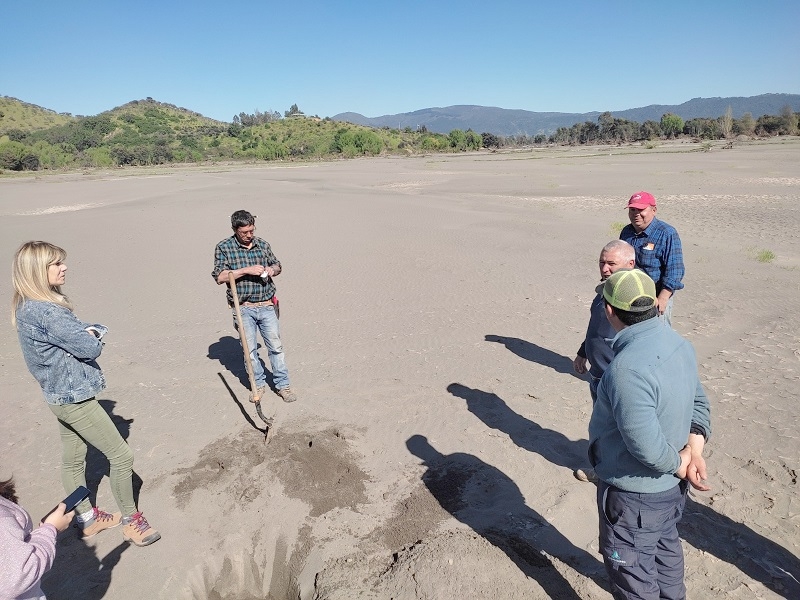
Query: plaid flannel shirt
pixel 658 253
pixel 231 255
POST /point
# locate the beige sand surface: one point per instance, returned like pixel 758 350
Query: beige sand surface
pixel 431 308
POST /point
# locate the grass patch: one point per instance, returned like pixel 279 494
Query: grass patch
pixel 765 256
pixel 616 227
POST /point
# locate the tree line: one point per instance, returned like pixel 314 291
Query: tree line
pixel 151 133
pixel 611 130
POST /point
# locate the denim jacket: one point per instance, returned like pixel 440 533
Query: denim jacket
pixel 59 352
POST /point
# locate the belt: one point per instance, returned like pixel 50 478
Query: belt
pixel 256 304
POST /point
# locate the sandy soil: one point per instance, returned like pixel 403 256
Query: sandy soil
pixel 431 308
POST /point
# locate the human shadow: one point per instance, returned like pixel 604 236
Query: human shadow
pixel 77 571
pixel 551 445
pixel 488 501
pixel 754 555
pixel 228 351
pixel 242 410
pixel 532 352
pixel 97 465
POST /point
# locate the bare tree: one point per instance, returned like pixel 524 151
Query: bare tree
pixel 726 123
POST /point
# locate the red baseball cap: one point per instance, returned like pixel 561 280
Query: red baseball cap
pixel 641 200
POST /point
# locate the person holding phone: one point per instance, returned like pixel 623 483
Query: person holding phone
pixel 61 352
pixel 26 554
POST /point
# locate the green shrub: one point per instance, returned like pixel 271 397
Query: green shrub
pixel 458 140
pixel 765 256
pixel 270 150
pixel 98 157
pixel 16 156
pixel 434 143
pixel 54 157
pixel 357 142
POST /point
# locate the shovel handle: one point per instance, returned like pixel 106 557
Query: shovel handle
pixel 248 365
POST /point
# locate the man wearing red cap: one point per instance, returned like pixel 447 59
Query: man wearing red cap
pixel 658 250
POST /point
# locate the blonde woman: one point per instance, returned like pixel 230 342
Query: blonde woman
pixel 60 351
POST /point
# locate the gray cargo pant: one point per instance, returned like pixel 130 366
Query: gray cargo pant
pixel 640 544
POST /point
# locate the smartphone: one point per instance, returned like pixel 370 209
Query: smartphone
pixel 97 331
pixel 71 501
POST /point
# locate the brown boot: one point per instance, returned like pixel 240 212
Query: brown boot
pixel 287 394
pixel 136 529
pixel 102 521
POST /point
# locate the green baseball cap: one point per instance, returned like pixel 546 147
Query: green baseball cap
pixel 626 286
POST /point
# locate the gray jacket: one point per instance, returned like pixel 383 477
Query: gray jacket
pixel 59 352
pixel 647 400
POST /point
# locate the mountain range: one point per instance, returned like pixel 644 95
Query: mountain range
pixel 510 122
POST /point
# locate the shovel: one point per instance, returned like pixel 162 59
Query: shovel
pixel 248 365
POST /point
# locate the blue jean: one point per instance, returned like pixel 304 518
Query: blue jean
pixel 639 542
pixel 263 319
pixel 594 382
pixel 666 318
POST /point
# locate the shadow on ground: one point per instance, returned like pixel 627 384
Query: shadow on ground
pixel 228 351
pixel 551 445
pixel 754 555
pixel 77 571
pixel 488 501
pixel 532 352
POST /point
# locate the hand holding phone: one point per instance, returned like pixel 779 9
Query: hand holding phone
pixel 58 518
pixel 97 330
pixel 66 508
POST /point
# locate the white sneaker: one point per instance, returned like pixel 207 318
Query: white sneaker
pixel 587 475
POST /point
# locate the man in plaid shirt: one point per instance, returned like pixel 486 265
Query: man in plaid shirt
pixel 253 265
pixel 658 250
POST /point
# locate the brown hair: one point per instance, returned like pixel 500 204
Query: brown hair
pixel 8 491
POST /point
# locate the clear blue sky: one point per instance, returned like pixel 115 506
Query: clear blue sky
pixel 376 58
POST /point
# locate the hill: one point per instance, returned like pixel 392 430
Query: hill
pixel 148 132
pixel 16 114
pixel 510 122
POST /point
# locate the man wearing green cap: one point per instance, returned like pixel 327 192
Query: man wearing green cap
pixel 646 436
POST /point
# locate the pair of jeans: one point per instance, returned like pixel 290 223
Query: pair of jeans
pixel 264 320
pixel 88 423
pixel 666 317
pixel 639 542
pixel 594 383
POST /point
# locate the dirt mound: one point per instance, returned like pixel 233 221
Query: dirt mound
pixel 316 467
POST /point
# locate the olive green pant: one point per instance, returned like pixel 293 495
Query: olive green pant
pixel 88 423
